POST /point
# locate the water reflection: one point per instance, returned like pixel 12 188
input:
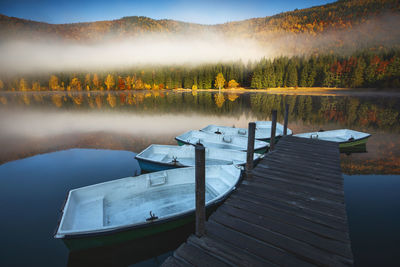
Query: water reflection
pixel 32 191
pixel 159 115
pixel 35 123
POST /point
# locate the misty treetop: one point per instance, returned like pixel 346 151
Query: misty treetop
pixel 366 69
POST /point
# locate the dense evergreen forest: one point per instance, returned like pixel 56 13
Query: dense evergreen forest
pixel 364 69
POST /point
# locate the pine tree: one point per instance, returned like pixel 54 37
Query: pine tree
pixel 256 81
pixel 269 76
pixel 279 72
pixel 357 74
pixel 291 75
pixel 303 79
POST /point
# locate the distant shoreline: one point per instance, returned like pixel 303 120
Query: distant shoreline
pixel 278 90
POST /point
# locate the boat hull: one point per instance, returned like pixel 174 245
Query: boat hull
pixel 149 166
pixel 83 242
pixel 358 142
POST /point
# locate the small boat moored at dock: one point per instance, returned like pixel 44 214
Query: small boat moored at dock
pixel 344 137
pixel 135 207
pixel 263 130
pixel 220 141
pixel 163 157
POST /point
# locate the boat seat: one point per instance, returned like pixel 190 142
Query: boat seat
pixel 157 178
pixel 89 214
pixel 159 157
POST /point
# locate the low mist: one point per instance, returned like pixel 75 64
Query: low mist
pixel 54 55
pixel 15 123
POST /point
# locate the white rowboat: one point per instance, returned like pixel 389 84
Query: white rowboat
pixel 263 130
pixel 162 157
pixel 220 141
pixel 344 137
pixel 134 204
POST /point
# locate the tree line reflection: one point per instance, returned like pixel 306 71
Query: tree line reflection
pixel 347 111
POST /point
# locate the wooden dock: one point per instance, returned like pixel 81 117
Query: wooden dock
pixel 291 213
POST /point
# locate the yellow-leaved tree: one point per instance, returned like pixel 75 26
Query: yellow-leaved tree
pixel 219 81
pixel 96 82
pixel 75 84
pixel 53 83
pixel 36 86
pixel 23 85
pixel 1 85
pixel 88 82
pixel 109 82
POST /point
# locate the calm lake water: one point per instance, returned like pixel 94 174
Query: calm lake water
pixel 54 142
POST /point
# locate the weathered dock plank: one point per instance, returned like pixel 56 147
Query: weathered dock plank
pixel 290 213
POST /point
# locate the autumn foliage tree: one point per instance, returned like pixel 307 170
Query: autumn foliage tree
pixel 109 82
pixel 96 82
pixel 219 81
pixel 53 83
pixel 75 84
pixel 233 84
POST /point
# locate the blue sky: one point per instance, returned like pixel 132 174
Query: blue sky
pixel 205 12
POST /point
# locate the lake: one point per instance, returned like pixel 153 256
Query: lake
pixel 53 142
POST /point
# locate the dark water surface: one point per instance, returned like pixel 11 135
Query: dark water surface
pixel 373 210
pixel 34 181
pixel 32 192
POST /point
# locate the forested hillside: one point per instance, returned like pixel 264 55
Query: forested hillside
pixel 318 39
pixel 339 15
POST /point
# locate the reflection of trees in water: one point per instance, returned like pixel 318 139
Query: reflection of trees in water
pixel 101 140
pixel 345 111
pixel 382 113
pixel 26 99
pixel 57 100
pixel 232 97
pixel 219 99
pixel 3 100
pixel 99 101
pixel 112 100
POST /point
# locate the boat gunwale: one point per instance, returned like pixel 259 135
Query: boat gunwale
pixel 138 157
pixel 263 139
pixel 367 135
pixel 143 225
pixel 244 149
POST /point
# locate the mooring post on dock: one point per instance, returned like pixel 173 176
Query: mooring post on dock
pixel 273 130
pixel 285 122
pixel 200 174
pixel 250 149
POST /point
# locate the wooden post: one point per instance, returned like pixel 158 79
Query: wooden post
pixel 200 174
pixel 250 149
pixel 273 130
pixel 285 122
